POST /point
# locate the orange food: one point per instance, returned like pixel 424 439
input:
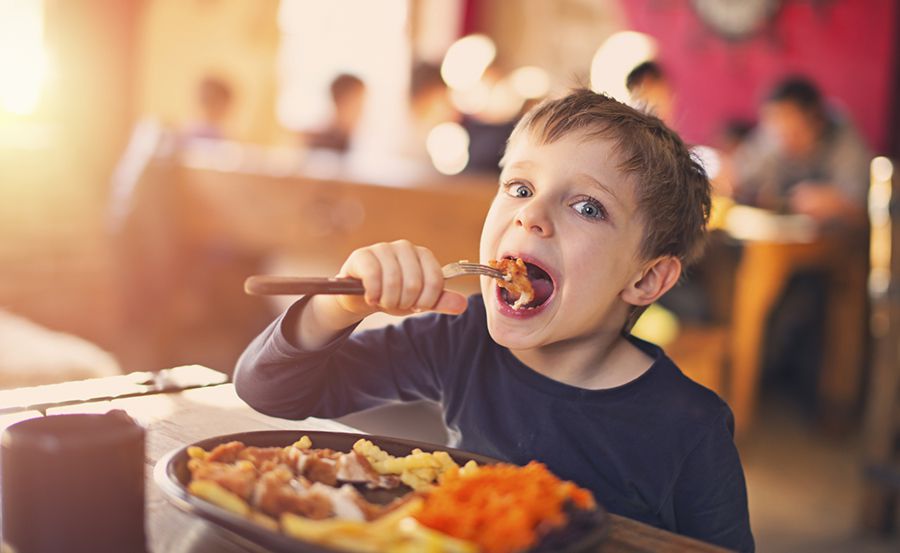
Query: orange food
pixel 515 279
pixel 502 508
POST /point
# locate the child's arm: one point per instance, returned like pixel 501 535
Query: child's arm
pixel 307 364
pixel 399 277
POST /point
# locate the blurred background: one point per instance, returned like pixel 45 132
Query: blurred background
pixel 154 153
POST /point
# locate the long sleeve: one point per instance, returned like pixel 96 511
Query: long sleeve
pixel 710 494
pixel 352 373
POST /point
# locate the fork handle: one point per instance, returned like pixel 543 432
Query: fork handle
pixel 268 285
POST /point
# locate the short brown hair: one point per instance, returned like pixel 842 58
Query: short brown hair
pixel 672 189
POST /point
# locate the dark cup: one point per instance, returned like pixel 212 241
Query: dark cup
pixel 73 483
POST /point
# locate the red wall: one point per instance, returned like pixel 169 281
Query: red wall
pixel 847 46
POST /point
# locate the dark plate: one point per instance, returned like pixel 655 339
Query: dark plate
pixel 172 476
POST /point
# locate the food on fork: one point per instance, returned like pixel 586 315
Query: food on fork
pixel 515 280
pixel 314 495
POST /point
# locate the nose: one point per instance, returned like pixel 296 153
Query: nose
pixel 535 217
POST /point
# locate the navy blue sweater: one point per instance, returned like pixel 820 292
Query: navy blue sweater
pixel 658 449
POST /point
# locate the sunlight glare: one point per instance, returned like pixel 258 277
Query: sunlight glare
pixel 882 169
pixel 23 60
pixel 615 58
pixel 448 146
pixel 466 61
pixel 530 81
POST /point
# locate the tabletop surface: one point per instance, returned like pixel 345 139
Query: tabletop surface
pixel 175 419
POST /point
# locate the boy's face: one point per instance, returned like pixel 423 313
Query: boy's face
pixel 567 209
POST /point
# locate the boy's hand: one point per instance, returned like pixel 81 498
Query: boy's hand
pixel 400 278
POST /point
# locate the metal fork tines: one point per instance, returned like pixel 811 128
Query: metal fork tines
pixel 459 268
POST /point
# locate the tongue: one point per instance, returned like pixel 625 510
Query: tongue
pixel 542 290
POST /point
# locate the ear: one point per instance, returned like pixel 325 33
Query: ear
pixel 654 280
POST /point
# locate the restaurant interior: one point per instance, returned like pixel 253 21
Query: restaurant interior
pixel 156 153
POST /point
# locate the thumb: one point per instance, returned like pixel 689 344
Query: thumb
pixel 451 303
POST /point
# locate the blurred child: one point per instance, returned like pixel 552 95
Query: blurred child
pixel 650 88
pixel 348 96
pixel 605 205
pixel 214 99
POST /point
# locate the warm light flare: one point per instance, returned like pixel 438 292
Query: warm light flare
pixel 530 82
pixel 466 61
pixel 615 58
pixel 448 146
pixel 882 169
pixel 881 172
pixel 23 60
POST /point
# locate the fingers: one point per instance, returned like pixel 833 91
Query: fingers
pixel 391 276
pixel 411 272
pixel 399 277
pixel 451 303
pixel 364 265
pixel 432 280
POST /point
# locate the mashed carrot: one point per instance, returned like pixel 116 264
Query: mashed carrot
pixel 502 508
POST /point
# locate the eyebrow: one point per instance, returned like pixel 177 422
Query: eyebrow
pixel 524 164
pixel 597 184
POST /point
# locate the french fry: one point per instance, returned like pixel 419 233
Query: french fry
pixel 264 520
pixel 217 495
pixel 396 532
pixel 422 538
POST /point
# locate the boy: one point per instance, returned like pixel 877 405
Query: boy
pixel 604 204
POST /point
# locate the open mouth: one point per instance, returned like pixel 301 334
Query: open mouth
pixel 541 285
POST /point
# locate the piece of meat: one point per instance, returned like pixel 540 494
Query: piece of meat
pixel 321 469
pixel 353 467
pixel 264 458
pixel 515 280
pixel 238 479
pixel 278 492
pixel 225 453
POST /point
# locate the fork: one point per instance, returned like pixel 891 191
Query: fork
pixel 270 285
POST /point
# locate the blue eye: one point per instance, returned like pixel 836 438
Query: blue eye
pixel 592 209
pixel 518 190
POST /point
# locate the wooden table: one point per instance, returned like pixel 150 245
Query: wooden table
pixel 175 419
pixel 762 275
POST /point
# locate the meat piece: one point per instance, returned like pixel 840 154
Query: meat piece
pixel 354 467
pixel 238 479
pixel 225 453
pixel 515 280
pixel 264 458
pixel 322 470
pixel 344 500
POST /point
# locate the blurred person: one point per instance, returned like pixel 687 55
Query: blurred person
pixel 429 106
pixel 650 90
pixel 214 101
pixel 733 135
pixel 804 158
pixel 731 138
pixel 429 98
pixel 348 97
pixel 490 127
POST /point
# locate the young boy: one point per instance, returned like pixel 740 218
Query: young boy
pixel 605 205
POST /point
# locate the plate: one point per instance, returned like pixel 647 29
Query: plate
pixel 172 476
